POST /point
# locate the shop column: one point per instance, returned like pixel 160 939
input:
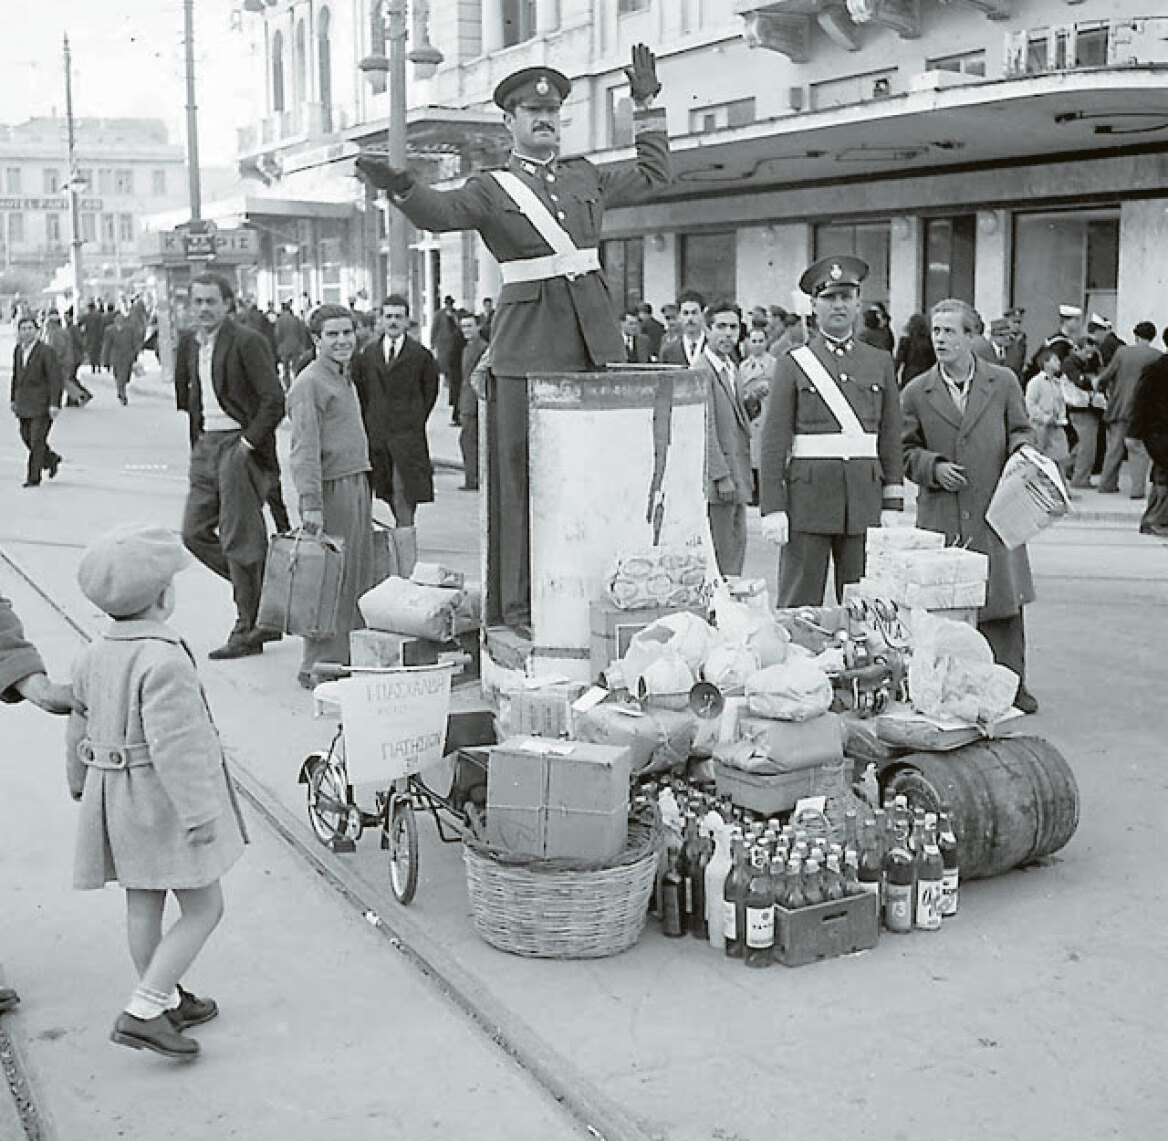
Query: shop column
pixel 991 266
pixel 492 26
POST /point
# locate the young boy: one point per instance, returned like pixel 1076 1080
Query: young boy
pixel 158 812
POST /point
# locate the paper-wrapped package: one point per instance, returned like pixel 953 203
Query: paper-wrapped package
pixel 793 691
pixel 404 607
pixel 660 739
pixel 952 673
pixel 663 577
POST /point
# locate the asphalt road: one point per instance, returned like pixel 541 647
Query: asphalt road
pixel 1038 1013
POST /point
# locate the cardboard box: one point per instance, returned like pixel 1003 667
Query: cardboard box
pixel 380 649
pixel 613 629
pixel 540 711
pixel 558 798
pixel 761 793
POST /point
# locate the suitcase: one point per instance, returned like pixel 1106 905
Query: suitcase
pixel 302 585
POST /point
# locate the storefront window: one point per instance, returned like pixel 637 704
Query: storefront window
pixel 1064 258
pixel 867 240
pixel 950 245
pixel 624 268
pixel 709 264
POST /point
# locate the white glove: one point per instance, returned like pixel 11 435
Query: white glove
pixel 892 519
pixel 775 528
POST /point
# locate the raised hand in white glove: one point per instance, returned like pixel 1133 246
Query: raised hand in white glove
pixel 892 519
pixel 775 528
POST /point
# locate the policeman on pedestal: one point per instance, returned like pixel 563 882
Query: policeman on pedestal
pixel 540 216
pixel 831 453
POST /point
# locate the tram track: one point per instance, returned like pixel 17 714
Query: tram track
pixel 596 1114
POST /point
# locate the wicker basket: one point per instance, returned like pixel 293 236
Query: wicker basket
pixel 562 909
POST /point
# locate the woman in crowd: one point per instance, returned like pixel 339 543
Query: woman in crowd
pixel 755 374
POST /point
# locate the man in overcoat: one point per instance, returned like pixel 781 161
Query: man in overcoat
pixel 397 383
pixel 830 461
pixel 541 217
pixel 962 421
pixel 225 380
pixel 35 399
pixel 729 479
pixel 23 678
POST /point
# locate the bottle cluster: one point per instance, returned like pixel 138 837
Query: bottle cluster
pixel 728 873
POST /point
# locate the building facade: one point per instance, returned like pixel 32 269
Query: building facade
pixel 1010 152
pixel 128 169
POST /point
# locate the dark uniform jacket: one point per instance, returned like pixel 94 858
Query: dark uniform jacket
pixel 993 425
pixel 244 374
pixel 557 324
pixel 36 386
pixel 832 496
pixel 396 400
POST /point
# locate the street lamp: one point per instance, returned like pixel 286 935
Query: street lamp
pixel 425 57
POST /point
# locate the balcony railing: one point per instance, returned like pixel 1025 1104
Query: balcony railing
pixel 1097 43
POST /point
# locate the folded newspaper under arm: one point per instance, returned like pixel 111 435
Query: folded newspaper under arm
pixel 1030 496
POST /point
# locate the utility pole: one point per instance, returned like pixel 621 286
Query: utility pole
pixel 192 113
pixel 75 187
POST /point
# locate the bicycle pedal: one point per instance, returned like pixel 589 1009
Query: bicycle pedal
pixel 342 846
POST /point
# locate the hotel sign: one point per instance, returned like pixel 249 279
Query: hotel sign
pixel 17 203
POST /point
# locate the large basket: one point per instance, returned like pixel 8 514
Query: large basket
pixel 562 909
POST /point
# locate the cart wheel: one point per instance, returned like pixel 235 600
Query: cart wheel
pixel 329 812
pixel 403 849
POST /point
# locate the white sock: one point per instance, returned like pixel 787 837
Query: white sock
pixel 174 1001
pixel 147 1004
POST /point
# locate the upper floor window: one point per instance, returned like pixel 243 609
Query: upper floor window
pixel 105 181
pixel 52 183
pixel 124 181
pixel 15 227
pixel 89 227
pixel 12 179
pixel 518 21
pixel 735 114
pixel 158 182
pixel 325 68
pixel 620 117
pixel 628 7
pixel 125 227
pixel 53 229
pixel 278 72
pixel 965 63
pixel 852 89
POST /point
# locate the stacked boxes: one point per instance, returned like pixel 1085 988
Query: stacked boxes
pixel 558 798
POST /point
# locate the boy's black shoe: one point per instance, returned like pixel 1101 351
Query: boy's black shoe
pixel 192 1010
pixel 9 999
pixel 157 1034
pixel 1025 701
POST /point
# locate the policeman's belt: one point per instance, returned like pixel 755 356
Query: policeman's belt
pixel 572 264
pixel 834 446
pixel 115 757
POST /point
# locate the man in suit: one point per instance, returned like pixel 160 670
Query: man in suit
pixel 1015 358
pixel 1103 336
pixel 446 343
pixel 35 399
pixel 225 380
pixel 652 328
pixel 468 408
pixel 638 349
pixel 541 218
pixel 1005 346
pixel 729 480
pixel 963 418
pixel 830 452
pixel 689 345
pixel 1120 381
pixel 397 383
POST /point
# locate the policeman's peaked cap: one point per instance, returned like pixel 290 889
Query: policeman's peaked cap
pixel 833 271
pixel 533 83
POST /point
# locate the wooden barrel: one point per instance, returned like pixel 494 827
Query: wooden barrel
pixel 1014 800
pixel 617 462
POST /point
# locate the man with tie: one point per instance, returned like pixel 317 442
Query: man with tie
pixel 729 479
pixel 541 217
pixel 637 347
pixel 689 346
pixel 830 451
pixel 962 421
pixel 35 399
pixel 1003 343
pixel 397 383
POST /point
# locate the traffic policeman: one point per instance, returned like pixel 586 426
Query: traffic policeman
pixel 541 217
pixel 831 454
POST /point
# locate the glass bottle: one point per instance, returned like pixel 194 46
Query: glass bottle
pixel 929 871
pixel 717 870
pixel 672 919
pixel 833 880
pixel 793 897
pixel 898 885
pixel 950 858
pixel 760 914
pixel 871 874
pixel 734 902
pixel 700 859
pixel 812 882
pixel 852 884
